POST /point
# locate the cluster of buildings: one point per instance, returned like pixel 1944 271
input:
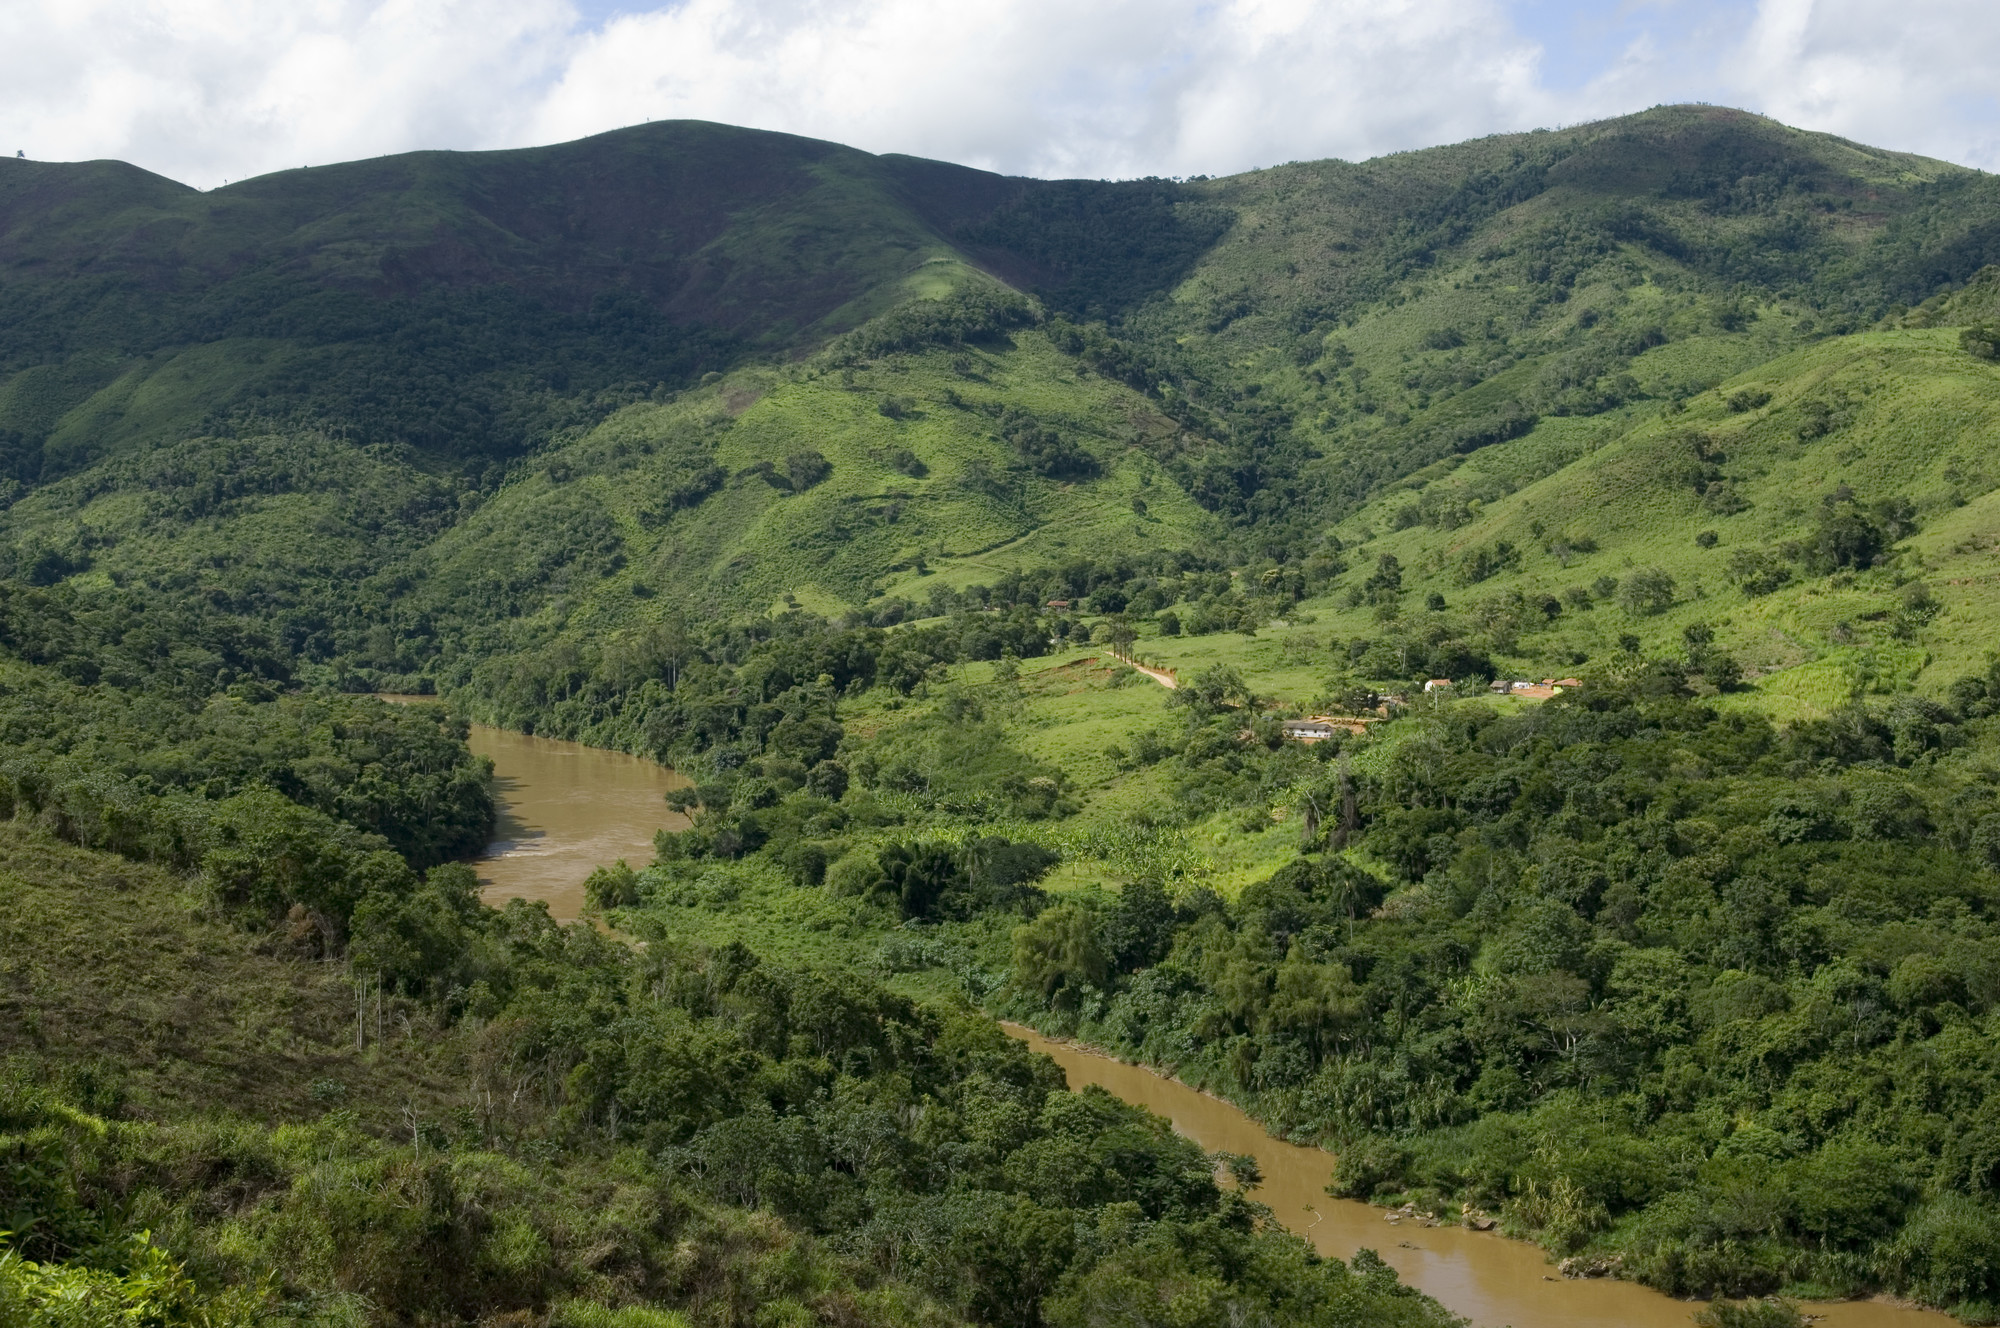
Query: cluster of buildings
pixel 1317 728
pixel 1533 691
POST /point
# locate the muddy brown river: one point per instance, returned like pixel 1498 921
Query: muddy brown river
pixel 566 809
pixel 1490 1279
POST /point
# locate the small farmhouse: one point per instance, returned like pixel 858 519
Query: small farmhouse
pixel 1315 728
pixel 1528 691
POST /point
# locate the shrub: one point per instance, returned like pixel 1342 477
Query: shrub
pixel 918 875
pixel 589 1314
pixel 1722 499
pixel 1647 592
pixel 828 779
pixel 858 873
pixel 153 1291
pixel 1771 1313
pixel 805 469
pixel 805 863
pixel 1058 954
pixel 1759 571
pixel 1366 1167
pixel 902 459
pixel 1949 1252
pixel 616 886
pixel 1477 565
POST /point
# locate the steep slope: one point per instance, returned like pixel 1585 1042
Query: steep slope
pixel 1826 514
pixel 754 232
pixel 1823 519
pixel 919 469
pixel 1354 322
pixel 514 342
pixel 465 303
pixel 830 481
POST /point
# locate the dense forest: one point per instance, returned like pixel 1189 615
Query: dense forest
pixel 1664 983
pixel 685 1128
pixel 1656 980
pixel 1616 503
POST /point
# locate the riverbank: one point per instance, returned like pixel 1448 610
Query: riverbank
pixel 1491 1279
pixel 563 810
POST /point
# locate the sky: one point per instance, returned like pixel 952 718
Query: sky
pixel 207 91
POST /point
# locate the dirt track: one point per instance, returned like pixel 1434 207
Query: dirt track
pixel 1163 677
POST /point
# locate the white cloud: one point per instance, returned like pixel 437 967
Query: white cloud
pixel 1051 87
pixel 1919 76
pixel 210 89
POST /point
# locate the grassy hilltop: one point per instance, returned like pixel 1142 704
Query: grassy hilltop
pixel 841 482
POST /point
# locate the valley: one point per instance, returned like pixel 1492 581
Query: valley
pixel 1484 1277
pixel 746 532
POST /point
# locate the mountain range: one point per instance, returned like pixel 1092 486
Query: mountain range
pixel 518 395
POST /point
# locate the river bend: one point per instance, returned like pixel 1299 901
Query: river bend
pixel 566 809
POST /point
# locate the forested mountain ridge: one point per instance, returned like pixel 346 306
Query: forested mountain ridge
pixel 777 241
pixel 627 261
pixel 1281 345
pixel 670 212
pixel 636 257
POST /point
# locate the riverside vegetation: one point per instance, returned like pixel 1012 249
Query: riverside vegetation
pixel 833 480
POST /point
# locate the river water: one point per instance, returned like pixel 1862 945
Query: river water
pixel 566 808
pixel 1490 1279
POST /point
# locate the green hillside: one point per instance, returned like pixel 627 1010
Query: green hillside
pixel 1406 309
pixel 850 486
pixel 1733 502
pixel 245 1150
pixel 510 337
